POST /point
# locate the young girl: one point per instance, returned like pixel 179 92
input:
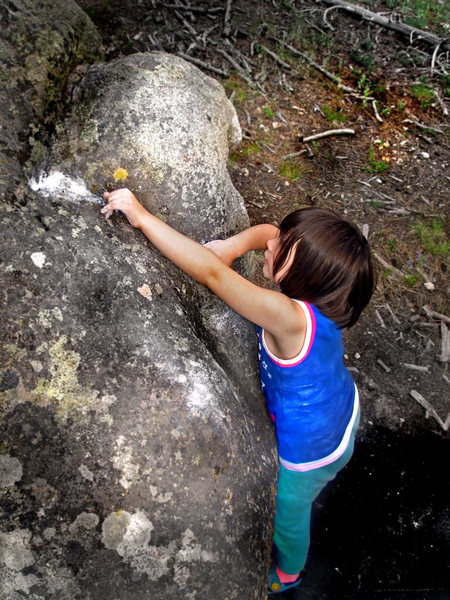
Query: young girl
pixel 323 267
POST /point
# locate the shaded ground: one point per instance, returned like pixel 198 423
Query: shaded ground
pixel 383 529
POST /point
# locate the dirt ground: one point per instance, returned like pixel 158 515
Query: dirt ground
pixel 390 176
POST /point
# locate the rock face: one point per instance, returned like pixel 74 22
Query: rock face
pixel 136 458
pixel 40 45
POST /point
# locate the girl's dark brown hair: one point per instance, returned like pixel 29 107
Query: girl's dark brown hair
pixel 332 266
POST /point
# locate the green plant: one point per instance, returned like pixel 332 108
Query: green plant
pixel 240 95
pixel 423 14
pixel 250 148
pixel 268 112
pixel 433 236
pixel 401 105
pixel 333 115
pixel 423 93
pixel 291 170
pixel 364 60
pixel 410 280
pixel 392 245
pixel 364 86
pixel 375 165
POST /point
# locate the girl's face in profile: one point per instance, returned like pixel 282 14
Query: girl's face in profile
pixel 269 258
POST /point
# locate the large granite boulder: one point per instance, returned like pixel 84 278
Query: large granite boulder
pixel 41 43
pixel 136 458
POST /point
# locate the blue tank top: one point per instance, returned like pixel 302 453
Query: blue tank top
pixel 312 397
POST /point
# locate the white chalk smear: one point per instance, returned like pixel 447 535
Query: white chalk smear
pixel 57 184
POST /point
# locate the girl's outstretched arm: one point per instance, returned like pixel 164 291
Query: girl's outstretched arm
pixel 273 311
pixel 253 238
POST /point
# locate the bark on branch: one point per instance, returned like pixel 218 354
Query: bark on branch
pixel 330 132
pixel 407 30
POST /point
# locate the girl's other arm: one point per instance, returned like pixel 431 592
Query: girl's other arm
pixel 253 238
pixel 271 310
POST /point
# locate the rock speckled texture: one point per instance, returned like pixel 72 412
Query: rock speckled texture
pixel 137 460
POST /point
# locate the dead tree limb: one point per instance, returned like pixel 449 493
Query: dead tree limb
pixel 395 272
pixel 445 344
pixel 327 74
pixel 429 410
pixel 275 57
pixel 202 64
pixel 435 315
pixel 234 64
pixel 389 23
pixel 227 19
pixel 330 132
pixel 375 110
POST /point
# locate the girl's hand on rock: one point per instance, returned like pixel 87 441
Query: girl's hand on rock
pixel 125 201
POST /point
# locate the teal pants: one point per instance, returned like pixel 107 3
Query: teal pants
pixel 296 491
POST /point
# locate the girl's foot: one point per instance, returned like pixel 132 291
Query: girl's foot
pixel 275 585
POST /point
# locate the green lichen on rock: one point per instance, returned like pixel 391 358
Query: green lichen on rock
pixel 63 387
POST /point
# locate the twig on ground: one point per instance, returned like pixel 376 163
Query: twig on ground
pixel 394 317
pixel 416 367
pixel 227 19
pixel 234 64
pixel 434 315
pixel 275 56
pixel 383 365
pixel 202 64
pixel 324 72
pixel 435 53
pixel 395 272
pixel 294 154
pixel 380 319
pixel 441 103
pixel 375 110
pixel 328 133
pixel 185 23
pixel 430 410
pixel 444 356
pixel 325 14
pixel 398 26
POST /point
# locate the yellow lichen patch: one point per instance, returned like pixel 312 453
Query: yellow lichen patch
pixel 120 174
pixel 63 386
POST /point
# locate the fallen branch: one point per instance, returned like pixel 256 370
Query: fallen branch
pixel 202 64
pixel 445 344
pixel 275 57
pixel 324 72
pixel 441 103
pixel 330 132
pixel 294 154
pixel 395 25
pixel 375 110
pixel 386 265
pixel 383 365
pixel 435 315
pixel 234 64
pixel 380 319
pixel 227 19
pixel 430 410
pixel 422 125
pixel 416 367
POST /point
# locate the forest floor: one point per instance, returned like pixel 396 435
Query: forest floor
pixel 391 176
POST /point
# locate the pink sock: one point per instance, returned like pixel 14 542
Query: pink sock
pixel 285 578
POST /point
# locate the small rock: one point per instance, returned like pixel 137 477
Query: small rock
pixel 424 155
pixel 429 285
